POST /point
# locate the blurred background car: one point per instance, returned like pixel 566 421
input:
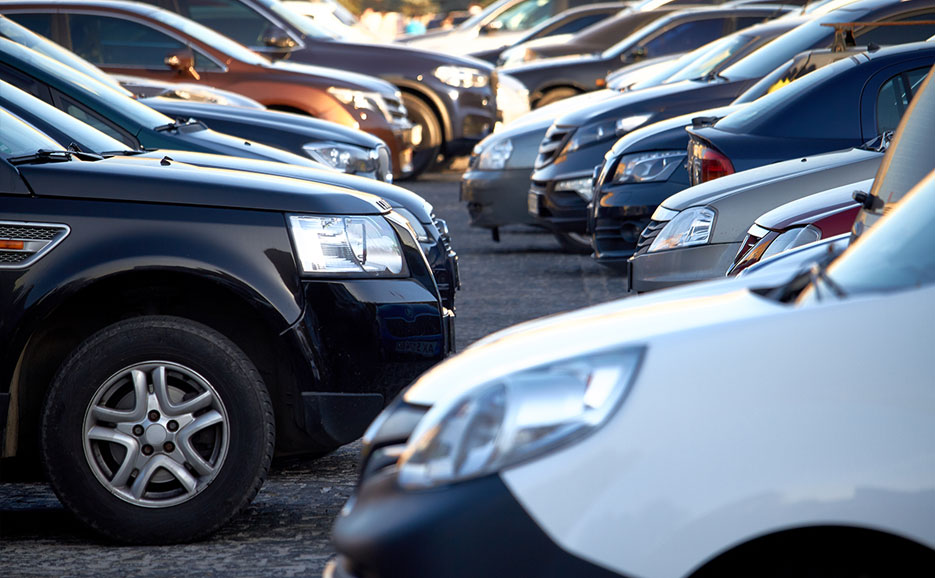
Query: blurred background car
pixel 562 25
pixel 451 99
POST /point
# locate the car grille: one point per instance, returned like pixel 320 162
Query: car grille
pixel 648 235
pixel 396 108
pixel 552 144
pixel 33 240
pixel 617 235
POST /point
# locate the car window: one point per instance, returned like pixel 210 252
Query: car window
pixel 18 138
pixel 894 97
pixel 887 35
pixel 685 36
pixel 578 24
pixel 229 17
pixel 23 82
pixel 94 120
pixel 108 41
pixel 39 23
pixel 523 16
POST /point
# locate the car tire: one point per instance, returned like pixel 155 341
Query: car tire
pixel 425 154
pixel 555 95
pixel 574 242
pixel 157 430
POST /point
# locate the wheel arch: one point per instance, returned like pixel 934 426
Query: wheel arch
pixel 433 100
pixel 51 336
pixel 540 92
pixel 824 547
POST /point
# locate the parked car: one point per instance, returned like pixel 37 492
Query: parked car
pixel 496 183
pixel 770 131
pixel 562 25
pixel 498 25
pixel 132 38
pixel 559 447
pixel 452 99
pixel 549 80
pixel 431 231
pixel 696 233
pixel 165 328
pixel 820 216
pixel 647 166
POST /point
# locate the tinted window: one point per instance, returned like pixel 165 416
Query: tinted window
pixel 18 138
pixel 39 23
pixel 23 82
pixel 894 97
pixel 229 17
pixel 886 35
pixel 579 24
pixel 685 36
pixel 117 42
pixel 94 120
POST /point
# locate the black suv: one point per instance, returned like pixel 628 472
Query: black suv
pixel 165 328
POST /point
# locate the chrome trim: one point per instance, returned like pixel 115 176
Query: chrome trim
pixel 38 247
pixel 663 214
pixel 757 231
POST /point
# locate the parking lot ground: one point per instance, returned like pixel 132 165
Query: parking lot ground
pixel 285 532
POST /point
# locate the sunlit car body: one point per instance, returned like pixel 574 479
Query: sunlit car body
pixel 719 216
pixel 560 447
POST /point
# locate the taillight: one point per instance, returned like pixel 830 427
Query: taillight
pixel 714 165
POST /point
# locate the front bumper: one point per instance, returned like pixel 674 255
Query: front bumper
pixel 443 261
pixel 357 345
pixel 469 529
pixel 496 198
pixel 470 114
pixel 658 270
pixel 565 211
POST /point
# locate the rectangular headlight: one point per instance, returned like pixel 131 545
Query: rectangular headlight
pixel 354 246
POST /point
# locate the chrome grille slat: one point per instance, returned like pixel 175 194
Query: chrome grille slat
pixel 650 232
pixel 552 144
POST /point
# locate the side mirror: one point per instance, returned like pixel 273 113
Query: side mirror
pixel 279 39
pixel 491 27
pixel 183 63
pixel 638 53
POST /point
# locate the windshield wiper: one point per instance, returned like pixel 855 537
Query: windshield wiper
pixel 50 156
pixel 878 144
pixel 121 153
pixel 819 272
pixel 179 124
pixel 714 75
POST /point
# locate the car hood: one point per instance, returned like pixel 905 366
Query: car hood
pixel 396 196
pixel 650 99
pixel 314 128
pixel 412 56
pixel 554 62
pixel 633 321
pixel 665 133
pixel 813 207
pixel 713 191
pixel 453 41
pixel 225 144
pixel 150 180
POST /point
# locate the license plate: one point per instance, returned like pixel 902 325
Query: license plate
pixel 532 204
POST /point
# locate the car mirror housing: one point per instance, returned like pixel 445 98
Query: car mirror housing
pixel 183 63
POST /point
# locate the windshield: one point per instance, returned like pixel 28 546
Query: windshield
pixel 71 82
pixel 303 23
pixel 702 62
pixel 17 33
pixel 18 138
pixel 210 37
pixel 766 59
pixel 894 255
pixel 483 15
pixel 618 48
pixel 91 139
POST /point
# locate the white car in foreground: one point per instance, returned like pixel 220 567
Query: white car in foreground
pixel 739 434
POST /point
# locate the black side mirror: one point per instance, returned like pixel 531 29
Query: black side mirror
pixel 637 54
pixel 279 39
pixel 183 63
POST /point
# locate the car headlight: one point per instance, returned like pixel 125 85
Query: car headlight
pixel 422 235
pixel 344 157
pixel 461 76
pixel 791 239
pixel 584 186
pixel 361 100
pixel 495 156
pixel 517 417
pixel 690 227
pixel 364 245
pixel 648 167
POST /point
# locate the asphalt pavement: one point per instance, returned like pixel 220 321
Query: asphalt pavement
pixel 285 532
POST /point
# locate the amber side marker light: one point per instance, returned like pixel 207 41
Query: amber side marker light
pixel 16 245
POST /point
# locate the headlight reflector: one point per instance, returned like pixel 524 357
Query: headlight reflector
pixel 517 417
pixel 584 186
pixel 791 239
pixel 461 76
pixel 361 100
pixel 648 167
pixel 346 245
pixel 495 157
pixel 690 227
pixel 344 157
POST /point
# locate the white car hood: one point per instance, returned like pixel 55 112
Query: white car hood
pixel 629 321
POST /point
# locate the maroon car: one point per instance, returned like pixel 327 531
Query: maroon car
pixel 799 222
